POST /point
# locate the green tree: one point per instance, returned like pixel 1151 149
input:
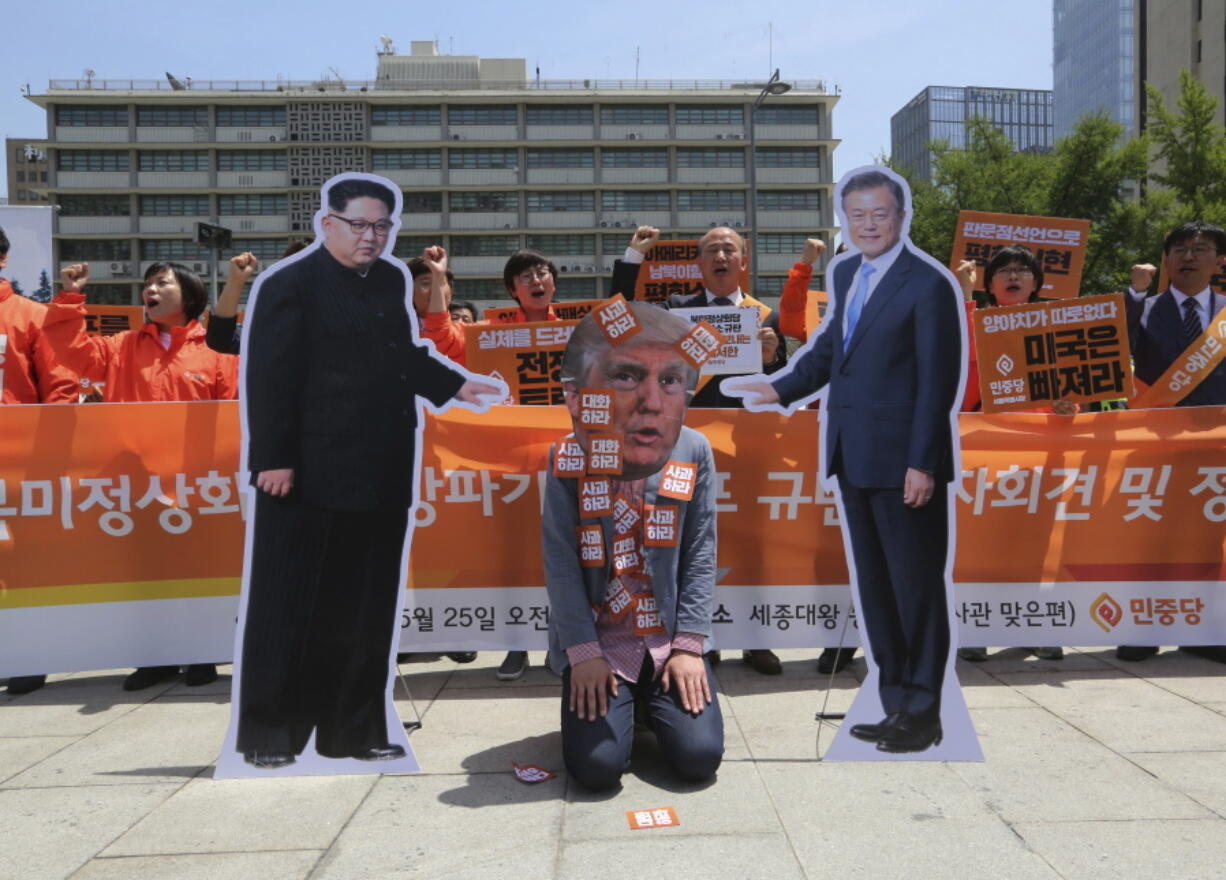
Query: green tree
pixel 1189 150
pixel 43 293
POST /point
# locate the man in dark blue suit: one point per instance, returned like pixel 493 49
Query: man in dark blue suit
pixel 892 353
pixel 1162 327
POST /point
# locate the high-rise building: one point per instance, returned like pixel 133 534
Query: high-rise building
pixel 489 160
pixel 940 113
pixel 27 172
pixel 1185 34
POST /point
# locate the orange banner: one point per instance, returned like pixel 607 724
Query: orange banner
pixel 1034 354
pixel 120 501
pixel 1058 242
pixel 528 357
pixel 671 269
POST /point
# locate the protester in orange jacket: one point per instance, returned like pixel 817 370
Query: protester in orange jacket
pixel 795 294
pixel 28 371
pixel 167 359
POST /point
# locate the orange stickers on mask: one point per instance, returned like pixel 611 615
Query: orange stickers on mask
pixel 677 481
pixel 616 320
pixel 595 408
pixel 700 344
pixel 591 546
pixel 625 515
pixel 626 555
pixel 660 525
pixel 606 454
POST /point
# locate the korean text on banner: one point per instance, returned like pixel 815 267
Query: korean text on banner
pixel 1057 242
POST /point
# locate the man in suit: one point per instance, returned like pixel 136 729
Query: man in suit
pixel 721 260
pixel 1162 327
pixel 631 610
pixel 892 353
pixel 332 378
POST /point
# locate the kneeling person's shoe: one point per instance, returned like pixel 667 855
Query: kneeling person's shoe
pixel 200 674
pixel 1135 653
pixel 148 676
pixel 763 661
pixel 834 660
pixel 513 665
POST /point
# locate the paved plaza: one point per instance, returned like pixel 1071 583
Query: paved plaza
pixel 1094 769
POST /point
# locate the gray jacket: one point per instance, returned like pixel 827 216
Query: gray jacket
pixel 683 577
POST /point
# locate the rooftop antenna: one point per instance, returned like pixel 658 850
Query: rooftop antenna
pixel 636 65
pixel 389 48
pixel 89 77
pixel 770 43
pixel 174 83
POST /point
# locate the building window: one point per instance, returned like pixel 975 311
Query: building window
pixel 781 243
pixel 558 115
pixel 406 160
pixel 563 245
pixel 483 245
pixel 173 249
pixel 92 160
pixel 772 285
pixel 789 200
pixel 575 288
pixel 21 177
pixel 618 158
pixel 410 246
pixel 472 159
pixel 561 201
pixel 94 206
pixel 492 114
pixel 174 206
pixel 173 160
pixel 251 160
pixel 634 200
pixel 560 159
pixel 74 114
pixel 163 116
pixel 481 288
pixel 711 200
pixel 93 249
pixel 250 117
pixel 469 202
pixel 710 158
pixel 406 115
pixel 423 203
pixel 263 248
pixel 788 157
pixel 775 114
pixel 615 245
pixel 634 114
pixel 710 114
pixel 267 204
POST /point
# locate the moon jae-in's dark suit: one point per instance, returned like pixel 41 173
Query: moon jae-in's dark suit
pixel 332 378
pixel 889 409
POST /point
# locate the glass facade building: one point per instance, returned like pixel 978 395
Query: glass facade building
pixel 940 113
pixel 1094 61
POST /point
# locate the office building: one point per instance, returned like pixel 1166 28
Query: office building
pixel 490 161
pixel 940 113
pixel 27 172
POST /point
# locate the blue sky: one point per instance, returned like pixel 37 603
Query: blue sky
pixel 880 54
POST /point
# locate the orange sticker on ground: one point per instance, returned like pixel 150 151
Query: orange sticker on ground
pixel 660 817
pixel 532 774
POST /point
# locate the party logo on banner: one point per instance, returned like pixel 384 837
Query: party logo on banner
pixel 1057 242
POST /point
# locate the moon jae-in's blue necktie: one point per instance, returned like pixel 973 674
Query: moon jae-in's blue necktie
pixel 856 306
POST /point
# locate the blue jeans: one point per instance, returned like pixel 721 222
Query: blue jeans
pixel 597 752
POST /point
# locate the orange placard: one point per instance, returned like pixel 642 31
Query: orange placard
pixel 1059 244
pixel 568 310
pixel 528 357
pixel 1216 282
pixel 1032 355
pixel 671 269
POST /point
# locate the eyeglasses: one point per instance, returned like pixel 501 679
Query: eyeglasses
pixel 1019 271
pixel 359 227
pixel 530 275
pixel 1199 251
